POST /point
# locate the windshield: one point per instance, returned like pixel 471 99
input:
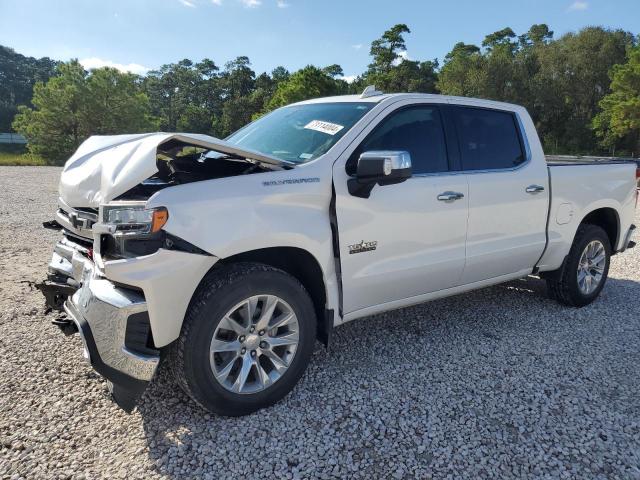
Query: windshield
pixel 300 133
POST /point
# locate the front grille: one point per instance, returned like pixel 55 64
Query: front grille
pixel 77 221
pixel 82 241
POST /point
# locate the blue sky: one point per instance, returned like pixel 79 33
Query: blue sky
pixel 142 34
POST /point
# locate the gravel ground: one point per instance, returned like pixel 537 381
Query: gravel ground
pixel 497 383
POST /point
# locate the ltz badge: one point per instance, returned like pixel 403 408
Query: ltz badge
pixel 363 247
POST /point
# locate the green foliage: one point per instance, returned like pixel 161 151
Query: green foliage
pixel 184 94
pixel 309 82
pixel 464 71
pixel 618 124
pixel 387 49
pixel 75 104
pixel 560 82
pixel 501 38
pixel 391 71
pixel 18 74
pixel 20 159
pixel 581 89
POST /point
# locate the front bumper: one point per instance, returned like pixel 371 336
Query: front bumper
pixel 125 310
pixel 113 323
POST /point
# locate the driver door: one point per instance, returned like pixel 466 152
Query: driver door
pixel 405 240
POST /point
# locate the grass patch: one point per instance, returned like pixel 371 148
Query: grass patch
pixel 22 159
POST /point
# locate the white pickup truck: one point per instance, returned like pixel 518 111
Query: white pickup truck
pixel 229 258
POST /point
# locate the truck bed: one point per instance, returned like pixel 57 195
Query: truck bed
pixel 578 188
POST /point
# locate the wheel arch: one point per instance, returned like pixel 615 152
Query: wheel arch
pixel 302 265
pixel 608 219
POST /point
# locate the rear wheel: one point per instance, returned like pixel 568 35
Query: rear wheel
pixel 585 270
pixel 246 339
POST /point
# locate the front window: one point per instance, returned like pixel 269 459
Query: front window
pixel 300 133
pixel 417 130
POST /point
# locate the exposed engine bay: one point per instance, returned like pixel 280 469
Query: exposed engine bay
pixel 179 162
pixel 108 168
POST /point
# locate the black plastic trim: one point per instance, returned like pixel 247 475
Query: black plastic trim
pixel 171 242
pixel 325 333
pixel 335 237
pixel 137 336
pixel 55 292
pixel 52 225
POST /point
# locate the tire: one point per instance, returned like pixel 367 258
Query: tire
pixel 563 284
pixel 190 357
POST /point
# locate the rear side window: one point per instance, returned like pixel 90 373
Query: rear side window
pixel 489 139
pixel 417 130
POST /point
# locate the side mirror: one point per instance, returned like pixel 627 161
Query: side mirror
pixel 379 167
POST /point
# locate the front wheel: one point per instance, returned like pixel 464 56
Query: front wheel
pixel 584 272
pixel 246 339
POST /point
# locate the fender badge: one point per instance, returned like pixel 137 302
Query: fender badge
pixel 363 247
pixel 290 181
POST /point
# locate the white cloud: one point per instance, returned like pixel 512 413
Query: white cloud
pixel 349 78
pixel 282 4
pixel 403 56
pixel 578 5
pixel 95 62
pixel 216 2
pixel 187 3
pixel 251 3
pixel 357 46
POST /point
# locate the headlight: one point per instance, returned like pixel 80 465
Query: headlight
pixel 134 219
pixel 131 230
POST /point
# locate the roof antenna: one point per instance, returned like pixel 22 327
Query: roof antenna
pixel 370 91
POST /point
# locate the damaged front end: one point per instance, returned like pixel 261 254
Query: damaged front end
pixel 119 278
pixel 112 320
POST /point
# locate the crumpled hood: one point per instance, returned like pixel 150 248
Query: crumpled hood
pixel 105 167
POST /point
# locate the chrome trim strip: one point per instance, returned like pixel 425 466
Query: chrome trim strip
pixel 68 259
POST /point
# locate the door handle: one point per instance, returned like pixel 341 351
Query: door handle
pixel 534 189
pixel 450 196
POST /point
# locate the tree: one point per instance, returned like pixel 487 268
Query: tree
pixel 387 49
pixel 392 71
pixel 75 104
pixel 309 82
pixel 238 78
pixel 501 38
pixel 618 124
pixel 280 74
pixel 566 85
pixel 573 77
pixel 501 80
pixel 463 72
pixel 560 82
pixel 333 71
pixel 18 74
pixel 538 34
pixel 173 87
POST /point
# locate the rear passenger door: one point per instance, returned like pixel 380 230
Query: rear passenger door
pixel 418 235
pixel 508 193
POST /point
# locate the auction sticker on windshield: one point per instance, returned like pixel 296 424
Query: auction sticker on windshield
pixel 324 127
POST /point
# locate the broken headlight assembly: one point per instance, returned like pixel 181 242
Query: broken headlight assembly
pixel 131 230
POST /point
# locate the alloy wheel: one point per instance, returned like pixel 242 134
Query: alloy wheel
pixel 254 344
pixel 591 267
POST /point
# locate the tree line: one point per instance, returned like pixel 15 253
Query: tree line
pixel 582 90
